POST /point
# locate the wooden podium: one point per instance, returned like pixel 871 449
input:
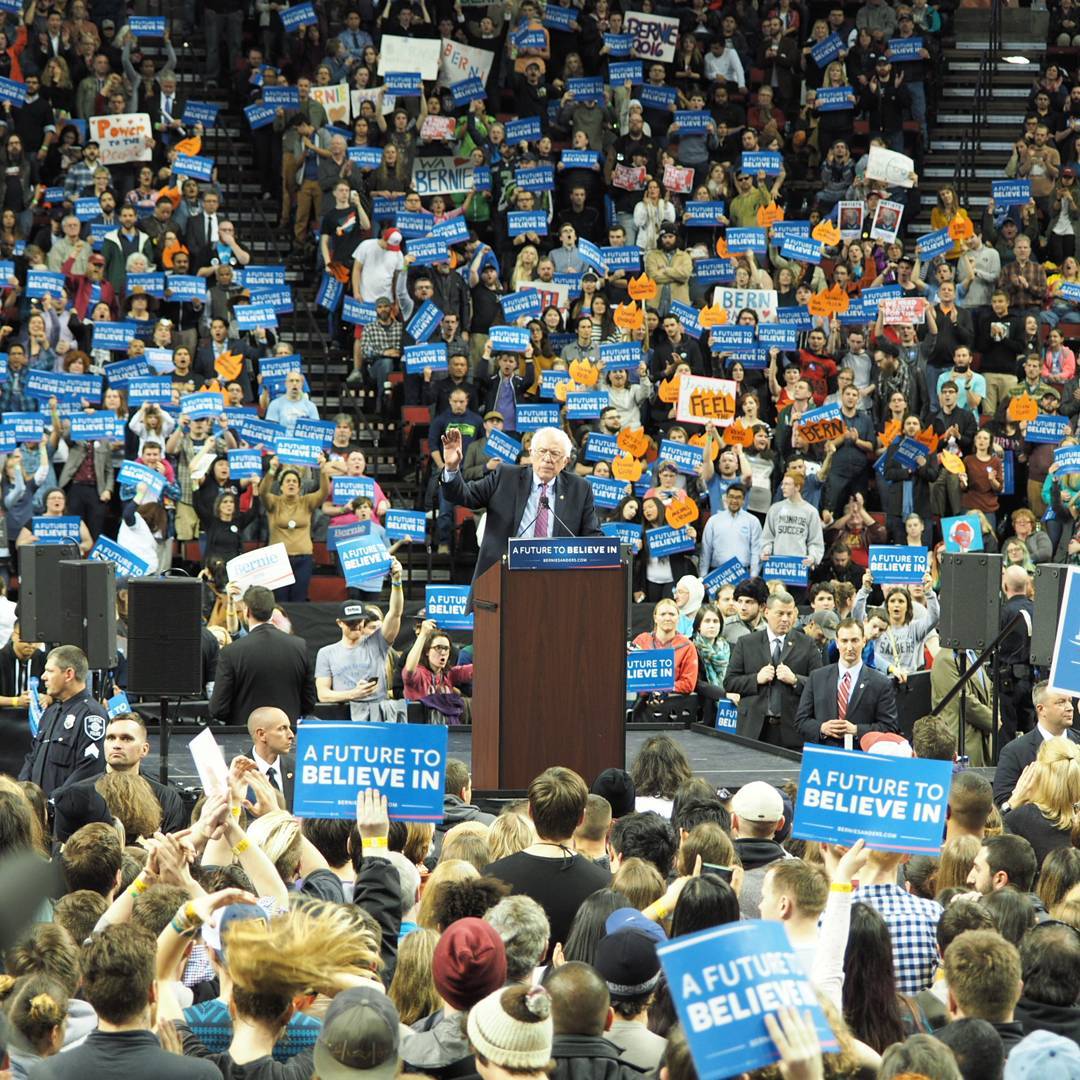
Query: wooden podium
pixel 549 686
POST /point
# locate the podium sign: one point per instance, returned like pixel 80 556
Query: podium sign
pixel 564 553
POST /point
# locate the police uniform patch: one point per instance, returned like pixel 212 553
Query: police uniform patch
pixel 69 721
pixel 93 727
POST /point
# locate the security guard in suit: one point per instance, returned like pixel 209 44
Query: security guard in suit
pixel 70 741
pixel 1014 656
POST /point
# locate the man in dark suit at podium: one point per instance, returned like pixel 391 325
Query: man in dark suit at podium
pixel 846 698
pixel 536 500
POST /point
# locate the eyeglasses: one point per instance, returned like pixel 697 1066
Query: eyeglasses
pixel 440 648
pixel 548 455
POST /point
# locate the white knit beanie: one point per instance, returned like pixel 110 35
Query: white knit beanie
pixel 506 1041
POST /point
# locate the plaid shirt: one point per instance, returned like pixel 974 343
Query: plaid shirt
pixel 912 923
pixel 79 177
pixel 378 338
pixel 13 397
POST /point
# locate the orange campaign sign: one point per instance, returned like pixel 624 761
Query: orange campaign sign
pixel 960 228
pixel 1023 407
pixel 681 511
pixel 641 288
pixel 633 441
pixel 825 232
pixel 892 429
pixel 584 372
pixel 953 463
pixel 629 317
pixel 928 437
pixel 714 446
pixel 669 389
pixel 562 389
pixel 722 248
pixel 840 300
pixel 737 435
pixel 769 215
pixel 824 430
pixel 820 305
pixel 702 399
pixel 627 468
pixel 712 316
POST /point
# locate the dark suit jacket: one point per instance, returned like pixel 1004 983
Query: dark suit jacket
pixel 748 656
pixel 1015 757
pixel 286 768
pixel 504 493
pixel 7 668
pixel 871 705
pixel 265 667
pixel 195 237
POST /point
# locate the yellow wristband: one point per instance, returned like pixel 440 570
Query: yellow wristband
pixel 191 915
pixel 841 886
pixel 138 886
pixel 235 811
pixel 242 846
pixel 374 841
pixel 656 910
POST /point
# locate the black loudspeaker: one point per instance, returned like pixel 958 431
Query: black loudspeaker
pixel 39 591
pixel 970 597
pixel 87 605
pixel 165 637
pixel 1049 589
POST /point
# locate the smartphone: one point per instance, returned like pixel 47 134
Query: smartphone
pixel 720 871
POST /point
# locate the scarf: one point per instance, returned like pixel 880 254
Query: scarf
pixel 715 656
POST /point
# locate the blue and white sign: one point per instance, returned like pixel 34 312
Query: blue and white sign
pixel 184 287
pixel 776 336
pixel 768 162
pixel 41 283
pixel 321 431
pixel 525 130
pixel 402 83
pixel 621 355
pixel 731 336
pixel 254 317
pixel 592 254
pixel 151 284
pixel 202 405
pixel 1010 192
pixel 908 451
pixel 201 112
pixel 261 277
pixel 330 293
pixel 127 565
pixel 245 463
pixel 357 312
pixel 835 99
pixel 727 716
pixel 586 404
pixel 467 90
pixel 508 339
pixel 618 44
pixel 522 304
pixel 668 541
pixel 693 121
pixel 657 97
pixel 134 474
pixel 62 386
pixel 723 983
pixel 418 357
pixel 12 91
pixel 366 157
pixel 363 559
pixel 650 671
pixel 303 452
pixel 274 367
pixel 406 763
pixel 535 178
pixel 1067 460
pixel 625 257
pixel 406 525
pixel 789 569
pixel 89 427
pixel 808 251
pixel 904 50
pixel 56 530
pixel 607 491
pixel 429 250
pixel 753 239
pixel 118 704
pixel 626 532
pixel 499 445
pixel 259 115
pixel 600 446
pixel 580 159
pixel 586 89
pixel 292 18
pixel 87 209
pixel 549 380
pixel 624 71
pixel 198 168
pixel 338 533
pixel 894 804
pixel 703 213
pixel 529 39
pixel 563 553
pixel 424 321
pixel 113 336
pixel 686 458
pixel 532 417
pixel 414 223
pixel 897 565
pixel 153 391
pixel 1069 290
pixel 343 489
pixel 710 271
pixel 825 52
pixel 147 26
pixel 448 606
pixel 729 573
pixel 933 243
pixel 1047 429
pixel 520 222
pixel 24 426
pixel 453 230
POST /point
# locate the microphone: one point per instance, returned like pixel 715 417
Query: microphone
pixel 544 504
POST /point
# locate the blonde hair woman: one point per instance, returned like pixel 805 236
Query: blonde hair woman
pixel 524 267
pixel 510 832
pixel 1043 805
pixel 413 988
pixel 451 870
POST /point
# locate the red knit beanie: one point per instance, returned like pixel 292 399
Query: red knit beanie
pixel 469 963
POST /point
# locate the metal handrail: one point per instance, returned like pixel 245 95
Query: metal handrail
pixel 964 173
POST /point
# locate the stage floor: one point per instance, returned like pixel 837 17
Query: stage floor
pixel 721 761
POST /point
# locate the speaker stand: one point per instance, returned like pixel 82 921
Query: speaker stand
pixel 163 740
pixel 961 733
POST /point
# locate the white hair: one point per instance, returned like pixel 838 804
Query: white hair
pixel 557 435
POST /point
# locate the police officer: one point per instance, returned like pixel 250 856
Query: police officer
pixel 1014 656
pixel 69 743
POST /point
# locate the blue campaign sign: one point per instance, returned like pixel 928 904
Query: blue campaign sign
pixel 897 565
pixel 322 431
pixel 727 716
pixel 533 417
pixel 529 39
pixel 13 91
pixel 385 209
pixel 703 213
pixel 825 52
pixel 156 390
pixel 357 312
pixel 618 44
pixel 908 451
pixel 524 130
pixel 273 367
pixel 693 121
pixel 147 26
pixel 607 491
pixel 768 162
pixel 650 670
pixel 687 458
pixel 406 763
pixel 729 573
pixel 549 380
pixel 259 115
pixel 343 489
pixel 201 112
pixel 1065 666
pixel 835 98
pixel 55 530
pixel 689 316
pixel 118 705
pixel 780 337
pixel 963 533
pixel 366 157
pixel 418 357
pixel 621 355
pixel 151 284
pixel 363 559
pixel 622 258
pixel 723 983
pixel 559 18
pixel 730 336
pixel 134 474
pixel 580 159
pixel 261 277
pixel 452 230
pixel 933 243
pixel 525 303
pixel 781 230
pixel 499 445
pixel 822 412
pixel 1047 429
pixel 186 287
pixel 599 446
pixel 668 541
pixel 657 97
pixel 244 464
pixel 424 321
pixel 797 317
pixel 403 83
pixel 586 404
pixel 330 293
pixel 904 50
pixel 47 384
pixel 626 532
pixel 808 251
pixel 448 606
pixel 789 569
pixel 414 223
pixel 113 336
pixel 586 89
pixel 337 533
pixel 198 168
pixel 293 451
pixel 508 339
pixel 1010 192
pixel 41 283
pixel 201 405
pixel 740 240
pixel 24 426
pixel 535 178
pixel 1069 290
pixel 624 71
pixel 406 525
pixel 279 298
pixel 709 271
pixel 429 250
pixel 292 18
pixel 592 254
pixel 127 565
pixel 519 222
pixel 467 90
pixel 563 553
pixel 254 317
pixel 894 804
pixel 88 427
